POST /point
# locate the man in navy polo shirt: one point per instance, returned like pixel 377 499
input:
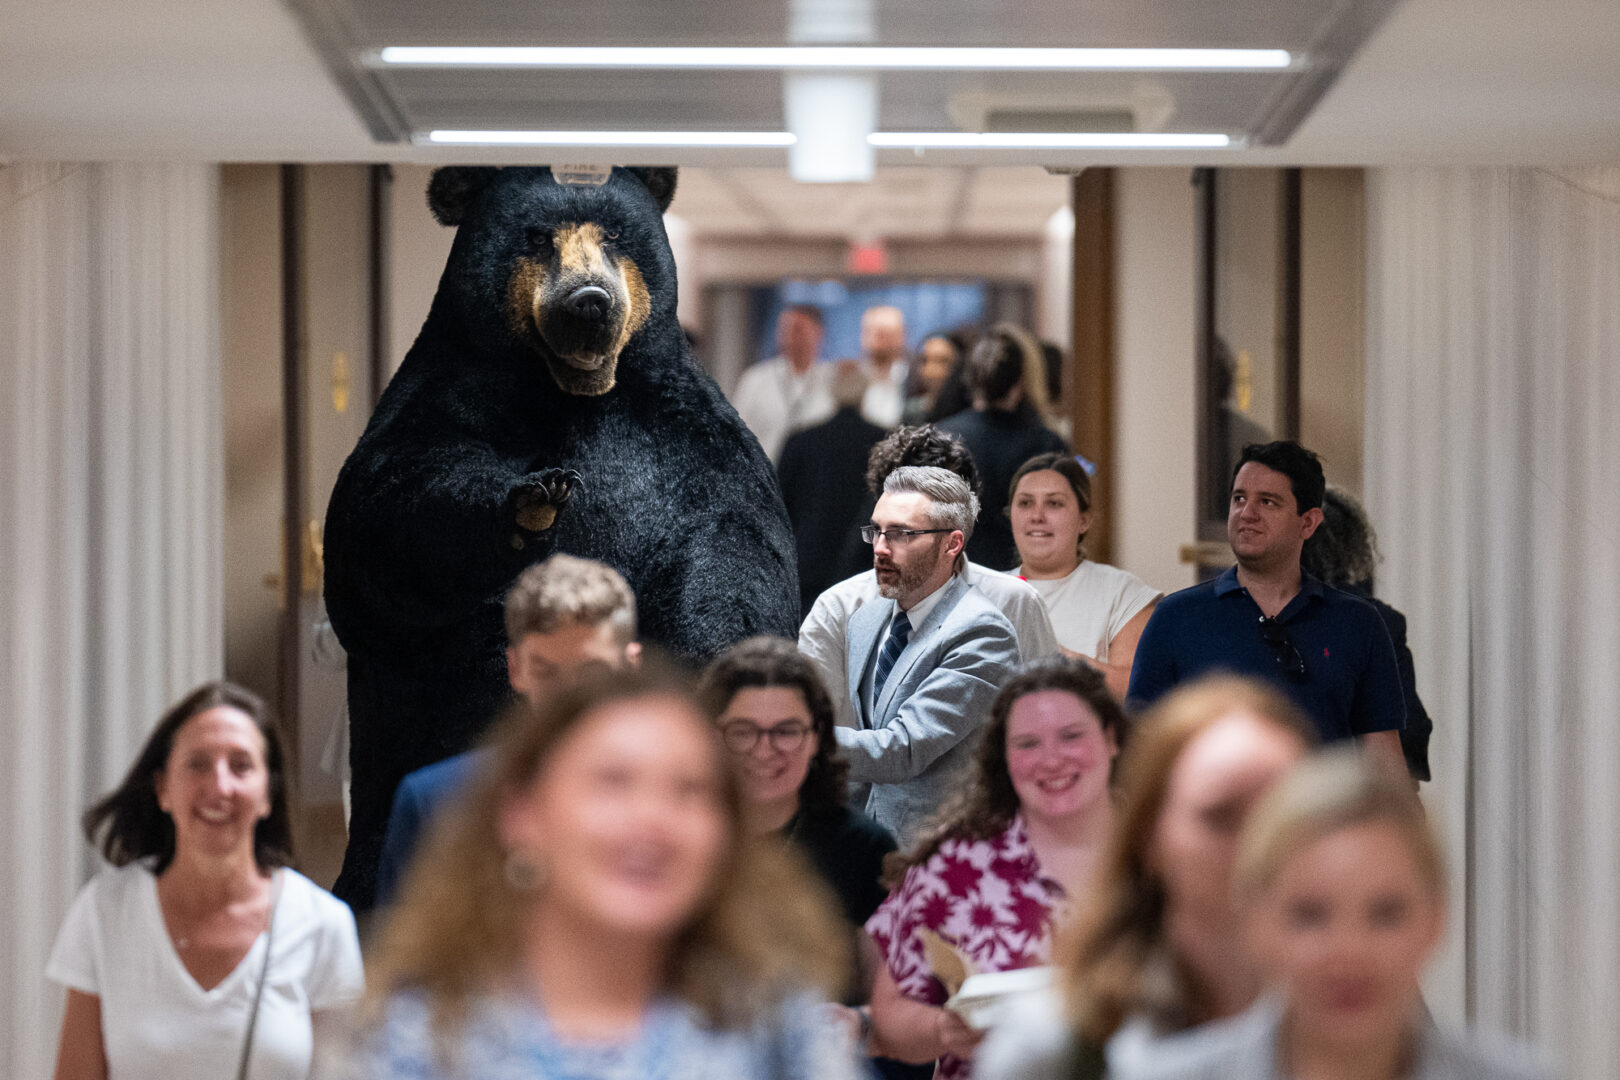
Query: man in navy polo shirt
pixel 1266 617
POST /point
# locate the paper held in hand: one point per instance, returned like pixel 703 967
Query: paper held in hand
pixel 978 996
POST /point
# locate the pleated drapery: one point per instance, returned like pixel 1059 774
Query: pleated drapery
pixel 1493 476
pixel 111 488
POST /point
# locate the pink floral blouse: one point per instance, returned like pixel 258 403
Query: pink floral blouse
pixel 985 897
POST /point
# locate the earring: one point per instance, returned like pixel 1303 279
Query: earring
pixel 524 872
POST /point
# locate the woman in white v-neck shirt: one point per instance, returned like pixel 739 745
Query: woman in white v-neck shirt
pixel 1097 610
pixel 164 953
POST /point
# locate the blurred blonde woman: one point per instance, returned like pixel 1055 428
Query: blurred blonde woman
pixel 1155 950
pixel 596 907
pixel 1342 885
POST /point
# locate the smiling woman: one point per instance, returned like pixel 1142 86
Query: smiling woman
pixel 595 906
pixel 166 955
pixel 996 874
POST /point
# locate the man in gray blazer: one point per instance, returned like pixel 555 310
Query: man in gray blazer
pixel 926 661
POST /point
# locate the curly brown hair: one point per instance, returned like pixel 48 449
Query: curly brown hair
pixel 768 662
pixel 990 803
pixel 765 927
pixel 920 444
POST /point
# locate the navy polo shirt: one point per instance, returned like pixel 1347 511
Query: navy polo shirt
pixel 1351 685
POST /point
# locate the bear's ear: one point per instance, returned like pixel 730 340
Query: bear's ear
pixel 454 187
pixel 660 181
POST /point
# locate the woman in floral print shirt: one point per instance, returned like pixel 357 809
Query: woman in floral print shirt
pixel 996 875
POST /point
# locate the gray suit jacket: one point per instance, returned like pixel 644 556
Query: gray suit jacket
pixel 915 746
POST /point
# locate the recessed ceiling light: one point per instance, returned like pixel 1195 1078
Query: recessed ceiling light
pixel 1056 140
pixel 850 57
pixel 613 138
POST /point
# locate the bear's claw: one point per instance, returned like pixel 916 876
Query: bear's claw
pixel 539 499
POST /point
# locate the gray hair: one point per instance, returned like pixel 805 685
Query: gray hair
pixel 1343 551
pixel 954 504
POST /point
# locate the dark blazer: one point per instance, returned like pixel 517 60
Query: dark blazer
pixel 1415 735
pixel 822 472
pixel 417 799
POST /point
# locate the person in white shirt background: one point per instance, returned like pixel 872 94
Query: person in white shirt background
pixel 883 352
pixel 1097 610
pixel 790 391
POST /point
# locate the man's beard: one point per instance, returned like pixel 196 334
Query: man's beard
pixel 911 579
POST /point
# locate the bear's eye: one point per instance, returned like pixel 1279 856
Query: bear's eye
pixel 539 240
pixel 613 234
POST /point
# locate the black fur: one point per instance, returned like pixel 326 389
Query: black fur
pixel 671 489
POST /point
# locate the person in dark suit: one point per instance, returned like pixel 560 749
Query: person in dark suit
pixel 821 472
pixel 1343 552
pixel 561 614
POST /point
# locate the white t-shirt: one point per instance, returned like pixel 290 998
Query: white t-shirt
pixel 775 401
pixel 824 637
pixel 885 399
pixel 157 1023
pixel 1092 604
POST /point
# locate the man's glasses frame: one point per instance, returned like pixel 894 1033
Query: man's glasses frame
pixel 896 537
pixel 1283 649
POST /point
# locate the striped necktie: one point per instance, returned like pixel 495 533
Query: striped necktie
pixel 899 634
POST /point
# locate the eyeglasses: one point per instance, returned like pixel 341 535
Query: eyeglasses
pixel 742 736
pixel 1284 651
pixel 896 537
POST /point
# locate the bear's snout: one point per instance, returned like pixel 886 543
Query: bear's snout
pixel 589 304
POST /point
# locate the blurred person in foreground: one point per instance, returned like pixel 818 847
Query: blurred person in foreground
pixel 821 472
pixel 1005 428
pixel 1343 553
pixel 824 635
pixel 1342 885
pixel 1155 949
pixel 1098 610
pixel 790 391
pixel 561 614
pixel 598 907
pixel 201 953
pixel 994 877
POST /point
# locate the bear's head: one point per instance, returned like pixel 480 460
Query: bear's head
pixel 570 272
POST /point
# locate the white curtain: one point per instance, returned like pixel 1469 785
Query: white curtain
pixel 1493 475
pixel 111 485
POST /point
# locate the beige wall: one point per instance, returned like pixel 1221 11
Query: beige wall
pixel 250 355
pixel 1333 313
pixel 1155 247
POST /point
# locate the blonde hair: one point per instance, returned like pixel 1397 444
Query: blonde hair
pixel 1335 790
pixel 1119 939
pixel 565 590
pixel 766 926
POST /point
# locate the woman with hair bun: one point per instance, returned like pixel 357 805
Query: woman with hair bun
pixel 201 954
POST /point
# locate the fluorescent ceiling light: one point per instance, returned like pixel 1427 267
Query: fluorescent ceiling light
pixel 847 57
pixel 614 138
pixel 902 140
pixel 1057 140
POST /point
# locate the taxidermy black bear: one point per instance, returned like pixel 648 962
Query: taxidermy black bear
pixel 549 404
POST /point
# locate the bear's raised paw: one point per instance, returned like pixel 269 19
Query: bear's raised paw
pixel 537 501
